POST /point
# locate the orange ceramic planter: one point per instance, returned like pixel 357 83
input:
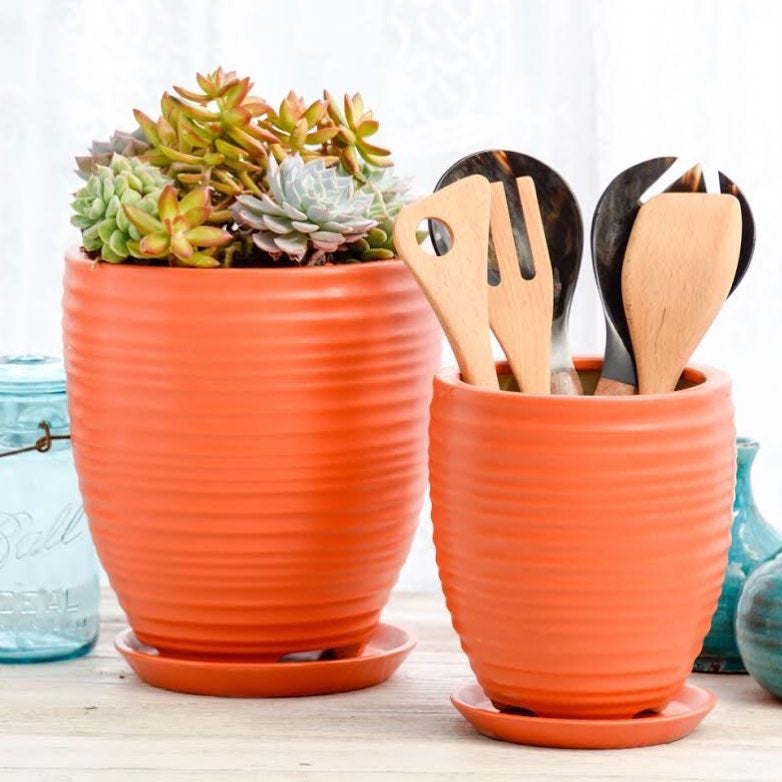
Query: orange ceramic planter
pixel 251 446
pixel 581 541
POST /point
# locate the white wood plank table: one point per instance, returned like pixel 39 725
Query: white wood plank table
pixel 91 719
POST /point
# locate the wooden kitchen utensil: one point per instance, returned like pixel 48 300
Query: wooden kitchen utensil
pixel 611 225
pixel 456 283
pixel 564 234
pixel 678 269
pixel 520 309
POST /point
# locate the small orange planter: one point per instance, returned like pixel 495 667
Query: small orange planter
pixel 581 541
pixel 251 447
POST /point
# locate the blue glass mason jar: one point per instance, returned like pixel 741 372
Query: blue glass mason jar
pixel 49 585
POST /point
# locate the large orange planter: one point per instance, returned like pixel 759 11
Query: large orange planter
pixel 581 541
pixel 251 446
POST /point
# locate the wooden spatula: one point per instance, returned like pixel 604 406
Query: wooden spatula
pixel 455 283
pixel 678 269
pixel 520 310
pixel 564 234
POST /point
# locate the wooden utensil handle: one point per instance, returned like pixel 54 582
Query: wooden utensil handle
pixel 608 387
pixel 566 382
pixel 520 311
pixel 539 292
pixel 455 283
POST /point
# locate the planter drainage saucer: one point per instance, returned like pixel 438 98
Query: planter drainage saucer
pixel 383 654
pixel 680 717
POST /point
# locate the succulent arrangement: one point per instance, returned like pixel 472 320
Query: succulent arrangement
pixel 221 178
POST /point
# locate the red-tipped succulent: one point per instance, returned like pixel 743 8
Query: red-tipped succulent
pixel 300 129
pixel 211 138
pixel 350 143
pixel 180 234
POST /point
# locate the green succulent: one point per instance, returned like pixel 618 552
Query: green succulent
pixel 389 194
pixel 390 191
pixel 299 129
pixel 179 235
pixel 211 138
pixel 309 212
pixel 350 143
pixel 99 211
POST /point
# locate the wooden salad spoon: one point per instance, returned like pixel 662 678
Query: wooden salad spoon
pixel 611 226
pixel 678 269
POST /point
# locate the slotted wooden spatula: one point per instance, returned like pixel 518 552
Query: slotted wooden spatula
pixel 678 269
pixel 520 310
pixel 455 283
pixel 564 235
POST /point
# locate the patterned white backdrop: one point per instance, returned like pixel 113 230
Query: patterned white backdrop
pixel 589 87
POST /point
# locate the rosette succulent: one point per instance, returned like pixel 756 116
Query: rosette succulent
pixel 310 210
pixel 126 144
pixel 389 194
pixel 99 206
pixel 179 234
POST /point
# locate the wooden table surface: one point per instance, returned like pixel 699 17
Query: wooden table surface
pixel 91 719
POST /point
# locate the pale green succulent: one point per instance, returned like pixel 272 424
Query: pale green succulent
pixel 98 205
pixel 390 191
pixel 310 210
pixel 389 194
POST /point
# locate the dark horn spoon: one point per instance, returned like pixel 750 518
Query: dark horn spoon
pixel 611 225
pixel 564 235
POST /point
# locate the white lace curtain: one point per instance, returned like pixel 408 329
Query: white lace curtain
pixel 590 86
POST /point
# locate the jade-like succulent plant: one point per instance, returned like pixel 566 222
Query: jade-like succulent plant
pixel 298 129
pixel 211 138
pixel 179 234
pixel 99 211
pixel 355 127
pixel 311 210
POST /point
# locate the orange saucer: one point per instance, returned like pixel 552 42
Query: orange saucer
pixel 680 717
pixel 384 653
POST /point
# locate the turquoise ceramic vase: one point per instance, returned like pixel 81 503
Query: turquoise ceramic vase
pixel 759 625
pixel 753 541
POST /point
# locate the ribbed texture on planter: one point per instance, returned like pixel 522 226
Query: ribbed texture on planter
pixel 582 541
pixel 250 445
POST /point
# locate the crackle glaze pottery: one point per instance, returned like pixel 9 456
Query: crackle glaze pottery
pixel 759 625
pixel 681 715
pixel 753 541
pixel 582 541
pixel 385 651
pixel 251 447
